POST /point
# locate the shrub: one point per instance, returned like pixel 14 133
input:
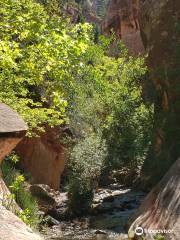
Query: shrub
pixel 159 237
pixel 86 163
pixel 16 183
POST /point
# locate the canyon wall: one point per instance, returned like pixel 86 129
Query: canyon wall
pixel 85 11
pixel 157 25
pixel 122 19
pixel 161 208
pixel 118 16
pixel 160 30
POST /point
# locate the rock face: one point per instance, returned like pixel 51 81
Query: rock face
pixel 89 11
pixel 160 30
pixel 12 130
pixel 10 121
pixel 161 208
pixel 5 199
pixel 122 18
pixel 12 228
pixel 44 157
pixel 45 196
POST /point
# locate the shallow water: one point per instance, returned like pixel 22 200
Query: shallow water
pixel 112 209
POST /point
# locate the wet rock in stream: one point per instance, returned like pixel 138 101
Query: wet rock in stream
pixel 110 213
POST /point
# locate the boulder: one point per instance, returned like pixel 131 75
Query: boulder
pixel 12 228
pixel 160 211
pixel 45 196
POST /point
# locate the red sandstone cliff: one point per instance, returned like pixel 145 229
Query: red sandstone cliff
pixel 160 30
pixel 44 157
pixel 122 19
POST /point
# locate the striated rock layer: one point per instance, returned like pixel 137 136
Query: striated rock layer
pixel 44 157
pixel 161 208
pixel 10 121
pixel 122 19
pixel 160 30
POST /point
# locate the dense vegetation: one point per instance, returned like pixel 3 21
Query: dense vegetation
pixel 53 72
pixel 113 111
pixel 40 56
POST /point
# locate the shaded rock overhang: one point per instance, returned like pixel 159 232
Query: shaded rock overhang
pixel 12 130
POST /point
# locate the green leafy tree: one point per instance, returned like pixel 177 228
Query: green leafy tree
pixel 108 102
pixel 38 56
pixel 129 123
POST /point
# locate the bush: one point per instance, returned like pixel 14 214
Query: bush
pixel 16 183
pixel 86 163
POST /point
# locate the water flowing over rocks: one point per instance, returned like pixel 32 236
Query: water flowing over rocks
pixel 111 210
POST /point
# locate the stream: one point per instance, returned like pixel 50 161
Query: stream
pixel 112 209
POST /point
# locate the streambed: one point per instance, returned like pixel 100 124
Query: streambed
pixel 112 209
